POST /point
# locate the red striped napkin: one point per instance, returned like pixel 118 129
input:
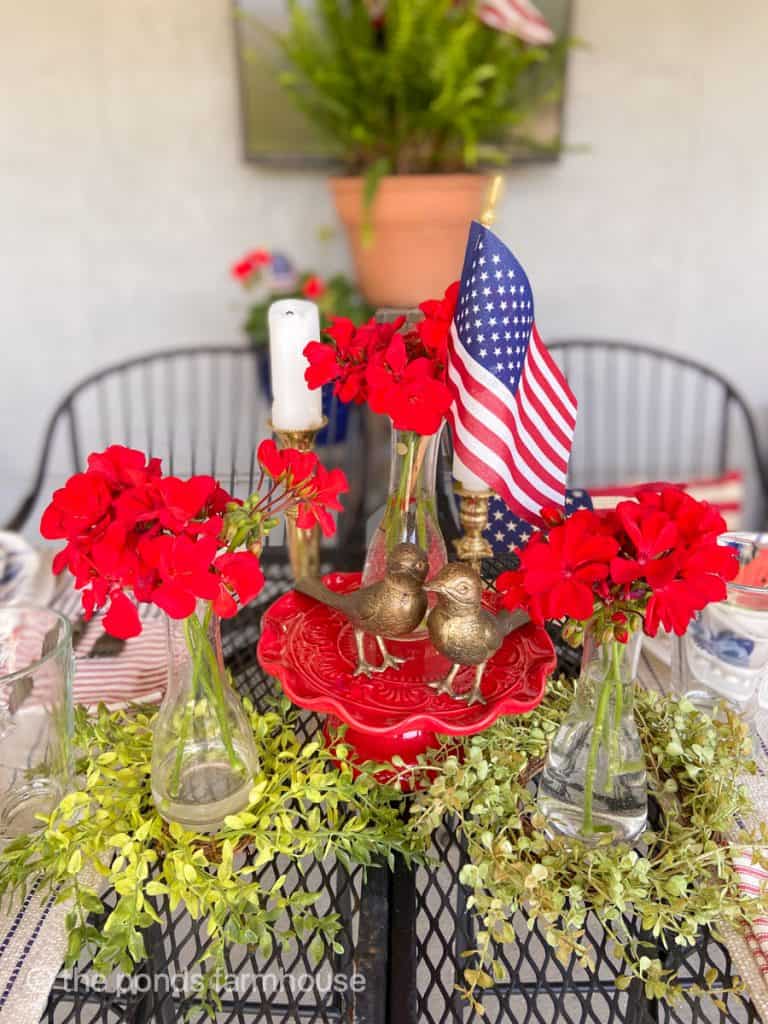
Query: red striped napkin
pixel 137 674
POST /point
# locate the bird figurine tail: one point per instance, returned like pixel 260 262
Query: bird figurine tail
pixel 509 621
pixel 313 587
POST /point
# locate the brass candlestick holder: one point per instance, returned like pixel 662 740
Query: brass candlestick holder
pixel 303 545
pixel 473 515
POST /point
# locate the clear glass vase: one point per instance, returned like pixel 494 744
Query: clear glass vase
pixel 410 514
pixel 36 716
pixel 594 779
pixel 204 756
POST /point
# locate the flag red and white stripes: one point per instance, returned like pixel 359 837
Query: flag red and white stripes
pixel 514 415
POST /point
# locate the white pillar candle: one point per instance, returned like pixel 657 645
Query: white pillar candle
pixel 292 324
pixel 466 478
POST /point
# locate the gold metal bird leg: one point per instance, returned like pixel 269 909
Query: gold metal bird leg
pixel 364 667
pixel 446 685
pixel 388 660
pixel 475 695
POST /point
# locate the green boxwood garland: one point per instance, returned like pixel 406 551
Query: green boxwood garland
pixel 682 880
pixel 302 805
pixel 308 803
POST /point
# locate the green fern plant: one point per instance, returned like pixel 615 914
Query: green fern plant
pixel 430 88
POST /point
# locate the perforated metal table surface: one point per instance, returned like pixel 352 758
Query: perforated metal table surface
pixel 403 935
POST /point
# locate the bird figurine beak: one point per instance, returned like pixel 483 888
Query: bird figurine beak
pixel 435 587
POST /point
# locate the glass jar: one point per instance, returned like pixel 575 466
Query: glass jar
pixel 203 755
pixel 723 656
pixel 594 779
pixel 36 715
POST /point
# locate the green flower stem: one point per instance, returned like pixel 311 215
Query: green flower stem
pixel 206 679
pixel 587 826
pixel 421 523
pixel 216 691
pixel 392 521
pixel 408 494
pixel 602 731
pixel 618 710
pixel 189 708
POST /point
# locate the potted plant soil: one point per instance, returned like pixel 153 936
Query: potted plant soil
pixel 420 98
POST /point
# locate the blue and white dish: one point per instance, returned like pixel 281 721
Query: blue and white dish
pixel 25 574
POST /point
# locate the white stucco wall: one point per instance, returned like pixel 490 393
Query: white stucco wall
pixel 124 198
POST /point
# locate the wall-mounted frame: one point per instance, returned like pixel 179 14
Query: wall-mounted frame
pixel 277 135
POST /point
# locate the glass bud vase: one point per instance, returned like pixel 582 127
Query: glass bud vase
pixel 410 514
pixel 203 753
pixel 594 779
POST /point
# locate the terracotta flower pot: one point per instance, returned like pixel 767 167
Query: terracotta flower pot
pixel 420 224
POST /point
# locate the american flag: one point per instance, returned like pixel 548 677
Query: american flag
pixel 508 533
pixel 513 415
pixel 518 17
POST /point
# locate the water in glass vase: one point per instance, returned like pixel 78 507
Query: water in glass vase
pixel 208 789
pixel 203 751
pixel 594 781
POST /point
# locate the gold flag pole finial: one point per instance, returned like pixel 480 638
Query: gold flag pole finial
pixel 494 195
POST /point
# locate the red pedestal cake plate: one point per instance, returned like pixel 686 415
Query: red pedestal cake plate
pixel 310 649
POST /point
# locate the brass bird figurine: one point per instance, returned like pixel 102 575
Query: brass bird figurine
pixel 392 607
pixel 462 630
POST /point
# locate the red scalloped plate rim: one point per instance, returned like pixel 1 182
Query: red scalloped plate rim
pixel 271 635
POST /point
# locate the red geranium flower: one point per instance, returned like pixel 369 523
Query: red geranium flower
pixel 314 287
pixel 323 364
pixel 651 534
pixel 122 619
pixel 434 330
pixel 697 521
pixel 184 566
pixel 252 261
pixel 123 467
pixel 240 574
pixel 406 391
pixel 563 570
pixel 401 375
pixel 318 495
pixel 686 582
pixel 286 464
pixel 164 539
pixel 189 504
pixel 76 507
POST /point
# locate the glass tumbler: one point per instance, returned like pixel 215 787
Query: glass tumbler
pixel 724 654
pixel 36 715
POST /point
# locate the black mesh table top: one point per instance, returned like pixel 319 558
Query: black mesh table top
pixel 403 936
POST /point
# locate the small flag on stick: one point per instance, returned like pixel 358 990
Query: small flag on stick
pixel 514 415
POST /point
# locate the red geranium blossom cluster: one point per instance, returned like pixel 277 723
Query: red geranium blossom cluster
pixel 251 263
pixel 171 542
pixel 307 485
pixel 654 559
pixel 398 372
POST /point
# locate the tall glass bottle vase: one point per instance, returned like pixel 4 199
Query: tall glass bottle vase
pixel 410 514
pixel 594 780
pixel 203 756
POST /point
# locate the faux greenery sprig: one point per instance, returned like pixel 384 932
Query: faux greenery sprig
pixel 303 804
pixel 682 882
